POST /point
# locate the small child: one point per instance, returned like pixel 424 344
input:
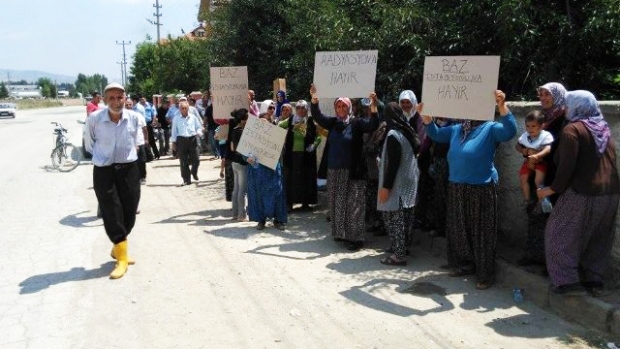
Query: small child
pixel 536 144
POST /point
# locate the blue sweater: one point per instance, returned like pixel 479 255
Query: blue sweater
pixel 471 162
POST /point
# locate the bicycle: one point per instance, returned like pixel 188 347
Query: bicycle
pixel 65 156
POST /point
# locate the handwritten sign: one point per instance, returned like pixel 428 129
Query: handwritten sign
pixel 461 87
pixel 345 73
pixel 262 139
pixel 229 90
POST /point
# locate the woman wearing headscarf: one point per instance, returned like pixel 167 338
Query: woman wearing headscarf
pixel 280 101
pixel 299 157
pixel 408 101
pixel 553 106
pixel 398 181
pixel 472 215
pixel 266 197
pixel 580 229
pixel 346 168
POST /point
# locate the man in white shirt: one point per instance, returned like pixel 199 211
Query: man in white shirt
pixel 185 134
pixel 112 137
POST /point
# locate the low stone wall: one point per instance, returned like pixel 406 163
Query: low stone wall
pixel 513 219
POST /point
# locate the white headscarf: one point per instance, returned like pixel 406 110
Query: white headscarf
pixel 409 95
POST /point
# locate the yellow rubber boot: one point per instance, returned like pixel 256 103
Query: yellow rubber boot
pixel 130 260
pixel 120 251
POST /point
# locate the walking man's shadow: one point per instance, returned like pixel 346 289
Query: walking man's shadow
pixel 37 283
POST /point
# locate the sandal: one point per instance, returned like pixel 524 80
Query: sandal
pixel 391 261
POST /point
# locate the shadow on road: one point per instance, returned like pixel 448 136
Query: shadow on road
pixel 363 295
pixel 38 283
pixel 77 221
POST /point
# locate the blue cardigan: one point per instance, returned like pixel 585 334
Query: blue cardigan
pixel 471 162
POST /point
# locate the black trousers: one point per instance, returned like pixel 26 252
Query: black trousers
pixel 187 152
pixel 152 142
pixel 142 161
pixel 118 192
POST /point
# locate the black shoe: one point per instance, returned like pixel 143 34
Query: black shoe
pixel 260 226
pixel 339 240
pixel 279 226
pixel 355 245
pixel 195 177
pixel 575 289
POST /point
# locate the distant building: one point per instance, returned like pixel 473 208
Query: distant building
pixel 25 91
pixel 63 94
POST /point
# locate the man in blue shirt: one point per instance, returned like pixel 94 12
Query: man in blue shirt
pixel 186 131
pixel 112 137
pixel 150 114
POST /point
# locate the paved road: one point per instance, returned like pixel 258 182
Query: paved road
pixel 204 281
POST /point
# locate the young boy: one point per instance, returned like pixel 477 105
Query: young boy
pixel 537 145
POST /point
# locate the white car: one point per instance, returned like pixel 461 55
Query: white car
pixel 8 110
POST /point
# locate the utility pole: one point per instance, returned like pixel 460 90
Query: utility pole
pixel 157 6
pixel 122 73
pixel 124 60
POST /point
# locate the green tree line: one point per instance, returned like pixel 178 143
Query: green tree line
pixel 574 42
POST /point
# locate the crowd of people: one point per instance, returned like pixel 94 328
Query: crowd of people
pixel 390 169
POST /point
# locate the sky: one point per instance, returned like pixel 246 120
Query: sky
pixel 69 37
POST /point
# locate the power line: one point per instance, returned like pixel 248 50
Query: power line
pixel 124 62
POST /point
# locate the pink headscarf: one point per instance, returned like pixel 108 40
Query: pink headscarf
pixel 347 102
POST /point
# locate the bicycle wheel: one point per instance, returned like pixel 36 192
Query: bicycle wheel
pixel 66 157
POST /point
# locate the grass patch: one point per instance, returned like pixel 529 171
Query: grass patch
pixel 36 103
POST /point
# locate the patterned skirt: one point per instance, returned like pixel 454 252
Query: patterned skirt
pixel 347 202
pixel 471 228
pixel 579 237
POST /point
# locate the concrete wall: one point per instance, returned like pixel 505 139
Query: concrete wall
pixel 513 219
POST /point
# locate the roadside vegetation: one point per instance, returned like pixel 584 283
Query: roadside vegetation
pixel 575 42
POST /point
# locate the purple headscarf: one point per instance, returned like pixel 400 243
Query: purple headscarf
pixel 582 106
pixel 280 104
pixel 558 93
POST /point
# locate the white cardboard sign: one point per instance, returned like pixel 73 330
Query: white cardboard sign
pixel 345 73
pixel 229 90
pixel 262 139
pixel 461 87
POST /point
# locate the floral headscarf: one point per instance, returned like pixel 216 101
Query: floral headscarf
pixel 396 120
pixel 298 118
pixel 558 93
pixel 582 106
pixel 346 101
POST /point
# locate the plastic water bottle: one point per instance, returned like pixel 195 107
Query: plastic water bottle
pixel 517 294
pixel 546 204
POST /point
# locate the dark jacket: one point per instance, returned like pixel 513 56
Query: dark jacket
pixel 357 170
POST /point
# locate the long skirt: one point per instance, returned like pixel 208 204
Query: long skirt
pixel 440 193
pixel 266 198
pixel 300 179
pixel 229 180
pixel 471 228
pixel 347 201
pixel 579 237
pixel 399 226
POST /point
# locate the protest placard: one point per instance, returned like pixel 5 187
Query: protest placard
pixel 345 73
pixel 263 140
pixel 229 90
pixel 461 87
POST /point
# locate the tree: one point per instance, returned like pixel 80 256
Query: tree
pixel 575 42
pixel 4 92
pixel 86 85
